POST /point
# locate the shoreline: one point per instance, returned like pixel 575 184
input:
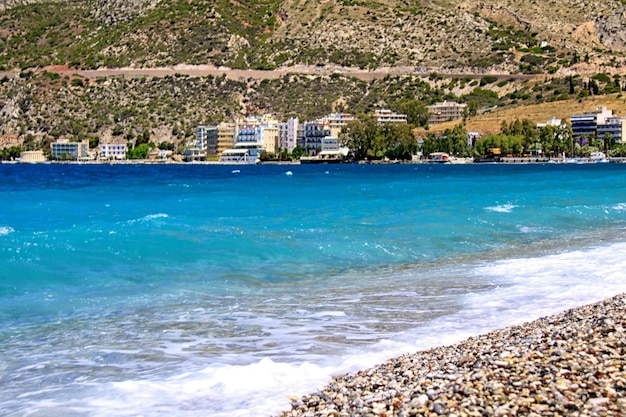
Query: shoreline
pixel 569 363
pixel 504 161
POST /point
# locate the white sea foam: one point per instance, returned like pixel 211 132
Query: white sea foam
pixel 524 289
pixel 538 286
pixel 529 229
pixel 6 230
pixel 219 391
pixel 149 218
pixel 155 216
pixel 503 208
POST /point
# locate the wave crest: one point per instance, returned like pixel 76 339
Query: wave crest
pixel 503 208
pixel 5 230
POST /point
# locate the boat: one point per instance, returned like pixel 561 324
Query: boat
pixel 338 156
pixel 598 158
pixel 237 156
pixel 455 160
pixel 438 157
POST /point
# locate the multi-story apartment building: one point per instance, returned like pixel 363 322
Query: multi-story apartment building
pixel 388 116
pixel 63 148
pixel 247 145
pixel 614 128
pixel 113 151
pixel 204 145
pixel 313 134
pixel 246 134
pixel 226 134
pixel 445 111
pixel 337 121
pixel 330 144
pixel 288 134
pixel 267 136
pixel 585 125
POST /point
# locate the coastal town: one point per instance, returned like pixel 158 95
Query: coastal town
pixel 592 136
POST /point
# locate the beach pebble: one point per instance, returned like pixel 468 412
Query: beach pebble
pixel 568 364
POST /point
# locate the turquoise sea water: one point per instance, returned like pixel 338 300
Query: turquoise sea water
pixel 195 290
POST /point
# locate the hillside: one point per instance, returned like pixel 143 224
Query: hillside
pixel 468 36
pixel 39 106
pixel 117 70
pixel 538 113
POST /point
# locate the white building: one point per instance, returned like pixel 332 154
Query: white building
pixel 585 125
pixel 254 135
pixel 613 127
pixel 113 151
pixel 337 121
pixel 554 122
pixel 313 134
pixel 387 116
pixel 330 144
pixel 204 145
pixel 445 111
pixel 32 156
pixel 288 134
pixel 63 148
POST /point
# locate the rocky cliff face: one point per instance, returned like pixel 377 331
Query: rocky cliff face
pixel 611 30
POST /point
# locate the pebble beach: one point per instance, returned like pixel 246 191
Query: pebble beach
pixel 567 364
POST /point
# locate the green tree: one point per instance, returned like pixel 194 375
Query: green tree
pixel 139 152
pixel 94 141
pixel 360 135
pixel 417 112
pixel 507 144
pixel 458 138
pixel 297 152
pixel 547 138
pixel 118 130
pixel 402 142
pixel 167 146
pixel 9 154
pixel 143 138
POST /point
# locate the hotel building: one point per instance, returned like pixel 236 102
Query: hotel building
pixel 585 125
pixel 387 116
pixel 288 134
pixel 113 151
pixel 63 148
pixel 445 111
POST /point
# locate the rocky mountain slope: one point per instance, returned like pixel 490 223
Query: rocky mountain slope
pixel 468 36
pixel 431 49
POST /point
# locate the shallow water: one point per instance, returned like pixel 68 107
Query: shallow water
pixel 198 290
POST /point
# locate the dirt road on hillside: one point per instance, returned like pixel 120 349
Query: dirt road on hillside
pixel 234 74
pixel 245 75
pixel 319 70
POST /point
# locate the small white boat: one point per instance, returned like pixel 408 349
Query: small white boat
pixel 439 157
pixel 598 157
pixel 237 156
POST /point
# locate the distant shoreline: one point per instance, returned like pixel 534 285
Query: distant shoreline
pixel 503 161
